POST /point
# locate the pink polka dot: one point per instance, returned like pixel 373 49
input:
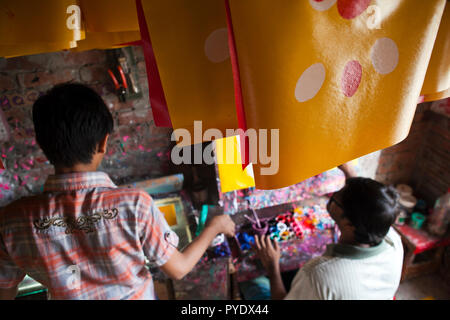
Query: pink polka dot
pixel 350 9
pixel 351 78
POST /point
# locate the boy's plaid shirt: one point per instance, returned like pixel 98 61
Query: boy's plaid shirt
pixel 84 238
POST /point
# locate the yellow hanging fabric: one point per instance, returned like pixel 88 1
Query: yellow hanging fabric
pixel 108 23
pixel 110 15
pixel 106 40
pixel 437 81
pixel 189 39
pixel 338 78
pixel 31 27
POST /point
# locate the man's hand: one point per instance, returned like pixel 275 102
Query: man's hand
pixel 222 224
pixel 268 253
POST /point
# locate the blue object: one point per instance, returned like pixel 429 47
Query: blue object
pixel 245 240
pixel 222 250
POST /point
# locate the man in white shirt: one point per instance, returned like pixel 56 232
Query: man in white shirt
pixel 365 264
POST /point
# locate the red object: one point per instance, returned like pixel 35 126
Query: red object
pixel 349 9
pixel 122 75
pixel 114 79
pixel 421 239
pixel 156 92
pixel 242 122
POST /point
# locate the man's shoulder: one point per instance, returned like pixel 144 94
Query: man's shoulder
pixel 314 265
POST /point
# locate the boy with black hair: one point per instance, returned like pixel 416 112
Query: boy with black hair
pixel 84 238
pixel 365 264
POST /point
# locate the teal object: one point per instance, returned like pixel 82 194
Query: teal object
pixel 202 219
pixel 417 220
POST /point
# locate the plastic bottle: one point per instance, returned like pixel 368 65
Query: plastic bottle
pixel 439 218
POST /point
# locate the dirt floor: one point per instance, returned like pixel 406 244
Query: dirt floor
pixel 429 286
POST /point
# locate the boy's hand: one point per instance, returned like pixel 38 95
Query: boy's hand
pixel 348 170
pixel 223 224
pixel 268 253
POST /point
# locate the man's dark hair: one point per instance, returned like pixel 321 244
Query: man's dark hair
pixel 371 207
pixel 70 120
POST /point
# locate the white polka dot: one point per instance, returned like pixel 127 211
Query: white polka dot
pixel 384 55
pixel 322 5
pixel 216 46
pixel 310 82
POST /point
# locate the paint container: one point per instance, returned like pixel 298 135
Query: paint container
pixel 404 190
pixel 218 240
pixel 401 218
pixel 285 235
pixel 407 203
pixel 281 227
pixel 275 236
pixel 417 220
pixel 262 229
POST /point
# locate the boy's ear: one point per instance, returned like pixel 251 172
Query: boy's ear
pixel 102 144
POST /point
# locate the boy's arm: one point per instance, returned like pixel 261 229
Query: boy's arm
pixel 10 274
pixel 9 293
pixel 181 263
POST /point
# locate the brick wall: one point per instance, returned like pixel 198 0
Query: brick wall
pixel 422 160
pixel 431 175
pixel 137 148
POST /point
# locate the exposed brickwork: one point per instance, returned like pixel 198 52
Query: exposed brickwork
pixel 136 149
pixel 422 160
pixel 431 177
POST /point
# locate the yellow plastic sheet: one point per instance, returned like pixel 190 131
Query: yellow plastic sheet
pixel 32 27
pixel 189 39
pixel 108 23
pixel 336 83
pixel 110 15
pixel 228 158
pixel 437 81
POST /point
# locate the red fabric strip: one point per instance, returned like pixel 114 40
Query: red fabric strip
pixel 242 122
pixel 156 92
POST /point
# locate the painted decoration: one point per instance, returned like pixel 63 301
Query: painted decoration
pixel 322 73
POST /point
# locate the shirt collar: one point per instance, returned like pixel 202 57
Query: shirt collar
pixel 78 181
pixel 354 252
